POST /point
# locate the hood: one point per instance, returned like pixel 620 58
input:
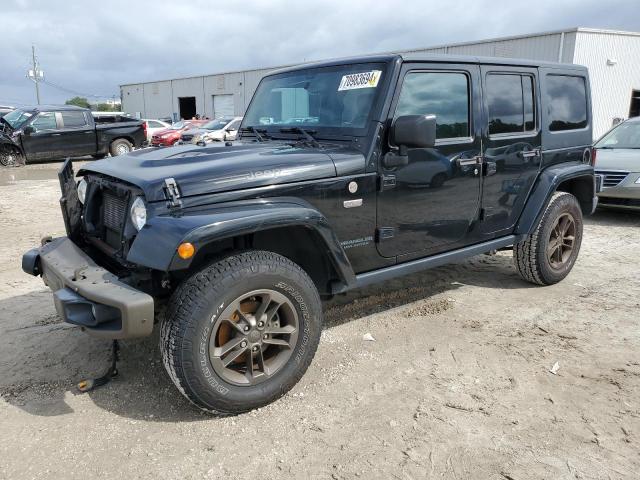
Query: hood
pixel 219 168
pixel 627 159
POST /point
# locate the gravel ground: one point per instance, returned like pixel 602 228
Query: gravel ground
pixel 457 383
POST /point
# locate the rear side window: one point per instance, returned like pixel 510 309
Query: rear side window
pixel 511 103
pixel 443 94
pixel 566 97
pixel 73 119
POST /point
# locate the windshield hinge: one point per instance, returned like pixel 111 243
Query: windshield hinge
pixel 172 193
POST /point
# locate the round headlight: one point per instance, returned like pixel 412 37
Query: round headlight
pixel 138 213
pixel 82 190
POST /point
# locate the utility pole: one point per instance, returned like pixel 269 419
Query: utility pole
pixel 36 75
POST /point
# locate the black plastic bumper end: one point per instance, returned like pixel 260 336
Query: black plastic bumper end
pixel 31 262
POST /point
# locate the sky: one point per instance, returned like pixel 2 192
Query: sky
pixel 90 48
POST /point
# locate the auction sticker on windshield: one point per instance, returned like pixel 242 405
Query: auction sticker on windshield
pixel 360 80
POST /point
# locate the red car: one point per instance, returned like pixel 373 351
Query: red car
pixel 169 136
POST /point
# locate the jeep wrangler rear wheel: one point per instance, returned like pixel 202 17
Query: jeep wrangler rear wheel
pixel 549 254
pixel 240 333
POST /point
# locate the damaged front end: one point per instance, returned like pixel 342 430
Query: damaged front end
pixel 83 269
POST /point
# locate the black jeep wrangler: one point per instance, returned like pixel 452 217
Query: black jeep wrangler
pixel 346 173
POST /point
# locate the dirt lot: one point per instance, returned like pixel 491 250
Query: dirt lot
pixel 456 385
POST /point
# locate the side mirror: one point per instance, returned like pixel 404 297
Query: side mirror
pixel 28 130
pixel 410 131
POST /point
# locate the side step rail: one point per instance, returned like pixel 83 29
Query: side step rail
pixel 365 279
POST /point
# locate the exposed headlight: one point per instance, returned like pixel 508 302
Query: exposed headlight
pixel 82 190
pixel 138 213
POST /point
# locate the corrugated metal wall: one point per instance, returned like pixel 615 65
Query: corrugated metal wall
pixel 611 85
pixel 160 99
pixel 537 47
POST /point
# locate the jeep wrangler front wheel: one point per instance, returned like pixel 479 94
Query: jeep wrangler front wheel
pixel 548 255
pixel 240 333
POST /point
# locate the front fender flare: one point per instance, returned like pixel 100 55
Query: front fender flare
pixel 156 244
pixel 547 183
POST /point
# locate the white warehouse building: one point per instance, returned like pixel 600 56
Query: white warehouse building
pixel 612 57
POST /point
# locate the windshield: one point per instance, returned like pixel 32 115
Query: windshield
pixel 17 118
pixel 218 124
pixel 625 135
pixel 178 125
pixel 337 97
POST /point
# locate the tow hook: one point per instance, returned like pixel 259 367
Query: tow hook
pixel 91 384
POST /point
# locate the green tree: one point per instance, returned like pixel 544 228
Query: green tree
pixel 105 107
pixel 79 102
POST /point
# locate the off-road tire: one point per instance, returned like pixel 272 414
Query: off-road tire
pixel 193 310
pixel 117 145
pixel 530 256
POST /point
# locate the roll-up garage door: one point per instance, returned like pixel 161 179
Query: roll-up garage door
pixel 223 106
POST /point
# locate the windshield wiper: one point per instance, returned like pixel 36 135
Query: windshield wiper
pixel 258 132
pixel 307 134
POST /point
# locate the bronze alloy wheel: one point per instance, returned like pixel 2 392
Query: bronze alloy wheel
pixel 254 337
pixel 561 241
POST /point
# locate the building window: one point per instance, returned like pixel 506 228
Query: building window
pixel 443 94
pixel 567 101
pixel 511 103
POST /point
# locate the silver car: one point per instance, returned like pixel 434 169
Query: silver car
pixel 617 165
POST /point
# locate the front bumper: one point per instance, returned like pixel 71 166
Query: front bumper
pixel 88 295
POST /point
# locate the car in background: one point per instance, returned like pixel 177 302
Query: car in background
pixel 154 126
pixel 616 159
pixel 60 131
pixel 169 136
pixel 218 130
pixel 4 109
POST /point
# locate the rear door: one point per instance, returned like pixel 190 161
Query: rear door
pixel 430 204
pixel 79 134
pixel 512 144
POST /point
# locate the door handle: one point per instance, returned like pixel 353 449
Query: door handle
pixel 56 134
pixel 530 154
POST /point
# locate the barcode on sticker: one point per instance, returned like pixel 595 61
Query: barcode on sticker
pixel 360 80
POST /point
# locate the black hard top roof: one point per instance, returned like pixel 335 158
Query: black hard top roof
pixel 433 58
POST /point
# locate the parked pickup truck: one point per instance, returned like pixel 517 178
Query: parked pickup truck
pixel 55 132
pixel 346 173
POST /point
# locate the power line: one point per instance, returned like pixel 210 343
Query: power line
pixel 74 92
pixel 35 74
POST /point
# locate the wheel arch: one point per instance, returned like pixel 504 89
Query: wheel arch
pixel 575 178
pixel 298 232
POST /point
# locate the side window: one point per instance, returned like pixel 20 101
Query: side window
pixel 511 103
pixel 45 121
pixel 443 94
pixel 73 119
pixel 566 97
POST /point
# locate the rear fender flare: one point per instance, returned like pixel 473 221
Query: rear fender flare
pixel 547 183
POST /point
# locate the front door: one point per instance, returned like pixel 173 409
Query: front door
pixel 431 204
pixel 512 145
pixel 45 142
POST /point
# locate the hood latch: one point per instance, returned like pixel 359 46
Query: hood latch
pixel 172 193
